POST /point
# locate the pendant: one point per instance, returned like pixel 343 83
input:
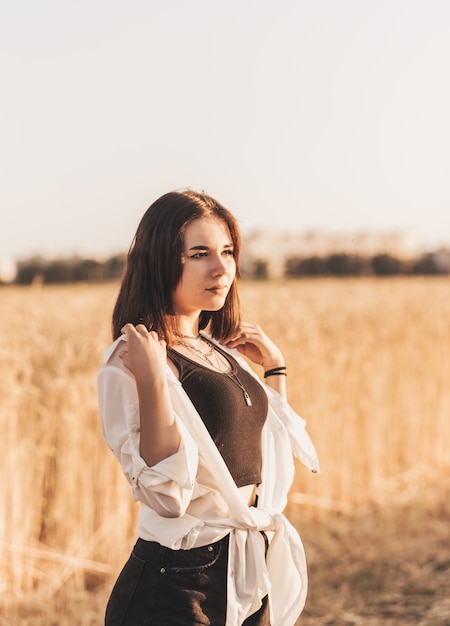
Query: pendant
pixel 248 400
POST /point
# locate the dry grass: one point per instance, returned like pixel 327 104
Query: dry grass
pixel 368 368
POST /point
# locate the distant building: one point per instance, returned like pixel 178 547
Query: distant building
pixel 441 259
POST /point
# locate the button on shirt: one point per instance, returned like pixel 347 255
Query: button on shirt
pixel 190 499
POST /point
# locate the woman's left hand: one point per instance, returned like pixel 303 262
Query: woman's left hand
pixel 251 341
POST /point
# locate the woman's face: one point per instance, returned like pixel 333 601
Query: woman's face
pixel 209 267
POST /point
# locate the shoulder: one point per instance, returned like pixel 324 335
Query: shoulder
pixel 113 366
pixel 231 351
pixel 237 356
pixel 112 361
pixel 114 349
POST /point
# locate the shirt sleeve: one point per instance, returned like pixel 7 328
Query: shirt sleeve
pixel 166 487
pixel 300 441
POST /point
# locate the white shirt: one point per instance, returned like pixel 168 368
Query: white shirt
pixel 190 498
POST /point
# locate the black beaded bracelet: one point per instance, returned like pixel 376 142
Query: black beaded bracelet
pixel 275 374
pixel 276 371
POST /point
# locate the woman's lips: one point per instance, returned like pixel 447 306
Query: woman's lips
pixel 218 289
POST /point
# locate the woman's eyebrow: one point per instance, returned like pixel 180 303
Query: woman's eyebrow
pixel 227 245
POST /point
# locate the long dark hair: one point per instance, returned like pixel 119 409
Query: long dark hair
pixel 153 268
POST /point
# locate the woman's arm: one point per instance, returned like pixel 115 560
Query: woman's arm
pixel 146 358
pixel 252 342
pixel 168 486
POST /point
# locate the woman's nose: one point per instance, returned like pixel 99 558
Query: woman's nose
pixel 219 267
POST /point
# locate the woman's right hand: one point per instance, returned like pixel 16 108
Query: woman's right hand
pixel 145 355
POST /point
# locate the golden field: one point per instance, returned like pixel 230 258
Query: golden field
pixel 369 365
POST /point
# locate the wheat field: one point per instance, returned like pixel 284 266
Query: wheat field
pixel 368 364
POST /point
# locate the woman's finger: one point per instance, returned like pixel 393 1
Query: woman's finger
pixel 142 330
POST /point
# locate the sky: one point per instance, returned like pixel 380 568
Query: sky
pixel 297 115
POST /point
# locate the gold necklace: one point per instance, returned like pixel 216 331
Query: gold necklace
pixel 207 356
pixel 186 336
pixel 234 377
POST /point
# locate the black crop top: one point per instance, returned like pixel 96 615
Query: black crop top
pixel 233 423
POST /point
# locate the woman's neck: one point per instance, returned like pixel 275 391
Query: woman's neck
pixel 187 326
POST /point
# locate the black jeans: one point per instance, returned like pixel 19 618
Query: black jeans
pixel 163 587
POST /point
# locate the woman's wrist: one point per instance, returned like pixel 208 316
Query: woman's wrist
pixel 276 360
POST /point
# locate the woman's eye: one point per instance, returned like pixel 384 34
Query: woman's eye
pixel 203 254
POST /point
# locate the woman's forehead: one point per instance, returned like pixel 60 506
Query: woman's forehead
pixel 207 229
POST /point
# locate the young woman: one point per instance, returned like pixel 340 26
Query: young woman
pixel 206 447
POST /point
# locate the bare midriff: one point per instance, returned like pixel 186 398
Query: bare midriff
pixel 248 492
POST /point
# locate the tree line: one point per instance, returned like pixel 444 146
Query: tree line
pixel 75 270
pixel 429 264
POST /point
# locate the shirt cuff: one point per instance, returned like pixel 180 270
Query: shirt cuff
pixel 172 478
